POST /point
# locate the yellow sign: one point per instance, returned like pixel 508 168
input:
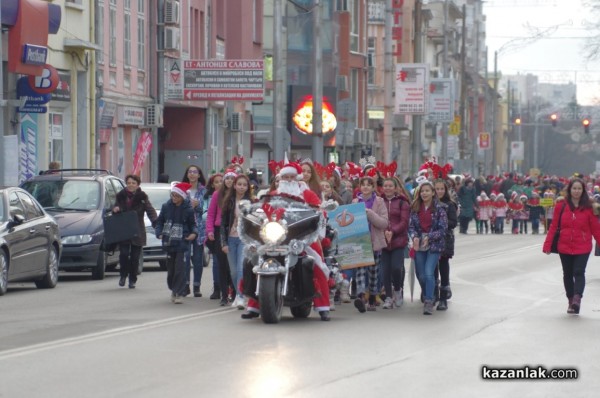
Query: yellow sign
pixel 454 129
pixel 534 172
pixel 547 202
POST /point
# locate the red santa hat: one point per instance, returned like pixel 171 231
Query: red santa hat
pixel 290 168
pixel 180 188
pixel 523 197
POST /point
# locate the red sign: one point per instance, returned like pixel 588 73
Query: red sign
pixel 47 82
pixel 141 152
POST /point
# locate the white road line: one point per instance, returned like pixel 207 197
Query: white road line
pixel 35 348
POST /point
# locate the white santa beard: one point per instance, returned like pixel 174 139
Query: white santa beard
pixel 290 188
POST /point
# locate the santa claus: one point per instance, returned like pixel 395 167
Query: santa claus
pixel 290 186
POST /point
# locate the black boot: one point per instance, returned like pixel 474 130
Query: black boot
pixel 187 291
pixel 216 294
pixel 197 291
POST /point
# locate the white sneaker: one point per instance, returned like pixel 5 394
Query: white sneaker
pixel 345 291
pixel 398 298
pixel 178 300
pixel 234 303
pixel 240 302
pixel 388 304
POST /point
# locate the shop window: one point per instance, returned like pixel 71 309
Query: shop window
pixel 55 138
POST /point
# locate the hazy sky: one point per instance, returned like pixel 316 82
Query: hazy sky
pixel 557 56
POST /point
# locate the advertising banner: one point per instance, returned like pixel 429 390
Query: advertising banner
pixel 142 150
pixel 411 89
pixel 352 248
pixel 300 116
pixel 517 150
pixel 441 101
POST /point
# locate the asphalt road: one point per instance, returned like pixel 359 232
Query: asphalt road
pixel 93 339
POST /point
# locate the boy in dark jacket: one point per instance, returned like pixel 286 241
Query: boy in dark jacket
pixel 176 228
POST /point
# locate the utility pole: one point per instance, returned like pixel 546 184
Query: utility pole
pixel 388 106
pixel 494 133
pixel 160 82
pixel 444 159
pixel 317 121
pixel 463 83
pixel 278 130
pixel 417 118
pixel 475 128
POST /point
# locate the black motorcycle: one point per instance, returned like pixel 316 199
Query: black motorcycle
pixel 277 271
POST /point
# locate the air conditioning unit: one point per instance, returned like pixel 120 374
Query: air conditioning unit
pixel 171 38
pixel 172 12
pixel 154 115
pixel 342 83
pixel 236 121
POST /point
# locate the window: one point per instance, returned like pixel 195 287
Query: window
pixel 31 209
pixel 141 6
pixel 110 196
pixel 127 38
pixel 15 206
pixel 112 20
pixel 354 7
pixel 55 138
pixel 100 31
pixel 371 60
pixel 141 42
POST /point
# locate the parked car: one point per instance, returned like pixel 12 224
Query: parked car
pixel 30 246
pixel 78 199
pixel 158 193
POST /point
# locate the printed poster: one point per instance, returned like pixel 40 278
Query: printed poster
pixel 352 248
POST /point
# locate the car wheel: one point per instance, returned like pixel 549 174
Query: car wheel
pixel 50 280
pixel 3 272
pixel 140 268
pixel 99 270
pixel 163 265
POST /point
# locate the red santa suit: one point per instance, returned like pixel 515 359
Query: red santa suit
pixel 320 269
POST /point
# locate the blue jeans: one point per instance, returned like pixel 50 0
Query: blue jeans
pixel 194 258
pixel 425 263
pixel 236 260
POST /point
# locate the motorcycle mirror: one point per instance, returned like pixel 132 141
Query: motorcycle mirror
pixel 244 206
pixel 329 205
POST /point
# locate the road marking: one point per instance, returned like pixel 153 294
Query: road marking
pixel 35 348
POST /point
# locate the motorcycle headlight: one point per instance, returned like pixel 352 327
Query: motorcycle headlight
pixel 76 239
pixel 273 232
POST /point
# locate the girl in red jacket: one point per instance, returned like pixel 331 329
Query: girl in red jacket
pixel 578 225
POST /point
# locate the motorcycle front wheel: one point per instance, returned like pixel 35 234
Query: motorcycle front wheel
pixel 270 298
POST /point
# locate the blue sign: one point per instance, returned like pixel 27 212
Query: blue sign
pixel 33 98
pixel 34 55
pixel 32 109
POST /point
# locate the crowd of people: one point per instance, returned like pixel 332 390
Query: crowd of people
pixel 414 218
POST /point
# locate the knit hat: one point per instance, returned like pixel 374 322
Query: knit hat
pixel 181 188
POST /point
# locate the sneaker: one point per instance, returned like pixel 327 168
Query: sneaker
pixel 216 295
pixel 132 285
pixel 371 307
pixel 398 298
pixel 187 291
pixel 234 303
pixel 197 291
pixel 241 303
pixel 428 307
pixel 345 292
pixel 448 292
pixel 178 300
pixel 388 304
pixel 122 281
pixel 223 302
pixel 172 297
pixel 443 305
pixel 360 304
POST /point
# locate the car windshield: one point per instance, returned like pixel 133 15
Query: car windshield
pixel 65 194
pixel 157 196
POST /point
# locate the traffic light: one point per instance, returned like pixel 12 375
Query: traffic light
pixel 518 120
pixel 586 125
pixel 553 119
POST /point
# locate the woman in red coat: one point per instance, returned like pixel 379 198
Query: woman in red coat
pixel 578 225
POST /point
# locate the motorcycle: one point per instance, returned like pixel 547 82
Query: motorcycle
pixel 278 271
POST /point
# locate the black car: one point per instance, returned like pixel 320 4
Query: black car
pixel 30 246
pixel 78 199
